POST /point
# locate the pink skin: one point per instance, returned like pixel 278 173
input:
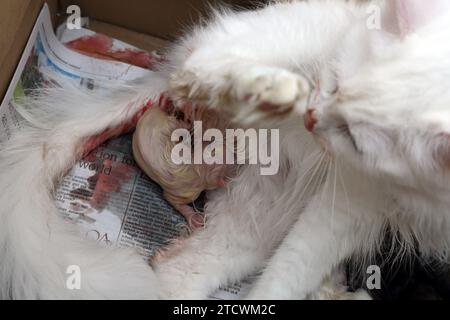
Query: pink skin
pixel 195 220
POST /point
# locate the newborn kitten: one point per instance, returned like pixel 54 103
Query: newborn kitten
pixel 153 147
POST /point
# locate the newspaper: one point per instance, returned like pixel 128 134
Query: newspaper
pixel 106 193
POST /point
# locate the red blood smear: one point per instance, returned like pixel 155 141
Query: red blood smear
pixel 97 43
pixel 100 46
pixel 101 185
pixel 138 58
pixel 105 184
pixel 92 142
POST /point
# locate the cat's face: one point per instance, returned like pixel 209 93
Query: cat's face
pixel 390 114
pixel 390 121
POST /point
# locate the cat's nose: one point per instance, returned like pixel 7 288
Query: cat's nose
pixel 309 120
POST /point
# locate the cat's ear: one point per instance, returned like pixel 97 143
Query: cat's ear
pixel 403 17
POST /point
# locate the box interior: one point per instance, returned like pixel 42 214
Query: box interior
pixel 148 25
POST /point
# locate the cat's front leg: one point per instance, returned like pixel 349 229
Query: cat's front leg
pixel 322 237
pixel 262 55
pixel 266 88
pixel 224 252
pixel 212 257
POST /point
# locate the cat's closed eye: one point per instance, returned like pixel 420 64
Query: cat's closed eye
pixel 332 91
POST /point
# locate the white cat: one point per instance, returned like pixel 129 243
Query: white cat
pixel 379 107
pixel 382 167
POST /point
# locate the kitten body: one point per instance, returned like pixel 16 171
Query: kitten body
pixel 182 182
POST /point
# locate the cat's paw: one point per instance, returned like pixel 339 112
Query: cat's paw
pixel 272 89
pixel 177 282
pixel 175 274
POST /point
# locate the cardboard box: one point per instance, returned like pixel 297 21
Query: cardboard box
pixel 147 24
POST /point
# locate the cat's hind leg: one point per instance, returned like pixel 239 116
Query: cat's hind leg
pixel 238 237
pixel 212 257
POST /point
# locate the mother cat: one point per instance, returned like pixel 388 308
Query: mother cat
pixel 379 107
pixel 374 98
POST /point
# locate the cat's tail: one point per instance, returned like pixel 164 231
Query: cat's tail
pixel 41 255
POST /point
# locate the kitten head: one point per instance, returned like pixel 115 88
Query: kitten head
pixel 390 111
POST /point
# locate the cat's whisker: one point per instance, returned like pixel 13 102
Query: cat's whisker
pixel 315 159
pixel 317 176
pixel 314 169
pixel 321 179
pixel 324 180
pixel 292 199
pixel 333 201
pixel 317 173
pixel 344 188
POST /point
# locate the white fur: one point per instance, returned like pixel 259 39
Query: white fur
pixel 391 172
pixel 298 225
pixel 36 245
